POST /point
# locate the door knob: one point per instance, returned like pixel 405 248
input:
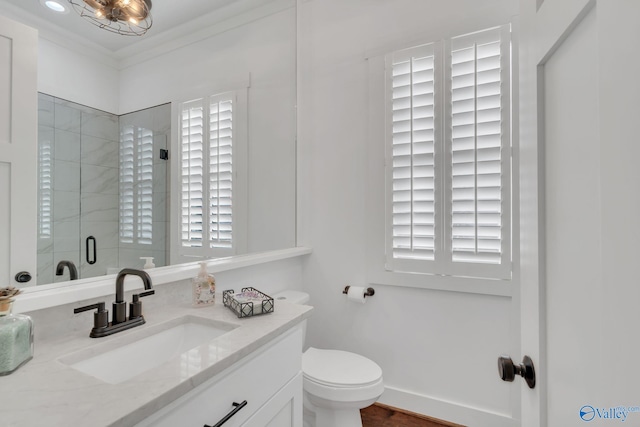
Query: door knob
pixel 508 370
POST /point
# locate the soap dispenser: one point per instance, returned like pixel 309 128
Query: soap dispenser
pixel 148 263
pixel 204 287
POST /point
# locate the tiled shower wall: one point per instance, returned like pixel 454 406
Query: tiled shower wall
pixel 79 188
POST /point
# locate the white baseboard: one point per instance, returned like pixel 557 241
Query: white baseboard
pixel 444 410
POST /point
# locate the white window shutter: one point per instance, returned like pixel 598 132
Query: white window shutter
pixel 144 186
pixel 127 176
pixel 45 189
pixel 412 130
pixel 192 172
pixel 221 172
pixel 207 162
pixel 477 155
pixel 448 157
pixel 136 185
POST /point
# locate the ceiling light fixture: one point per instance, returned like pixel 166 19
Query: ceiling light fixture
pixel 126 17
pixel 56 6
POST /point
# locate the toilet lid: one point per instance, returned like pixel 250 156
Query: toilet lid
pixel 339 368
pixel 295 297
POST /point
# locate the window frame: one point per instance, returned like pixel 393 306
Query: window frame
pixel 462 279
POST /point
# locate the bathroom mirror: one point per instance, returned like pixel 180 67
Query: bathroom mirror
pixel 252 49
pixel 103 192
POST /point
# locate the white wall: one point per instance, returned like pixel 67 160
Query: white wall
pixel 69 74
pixel 437 349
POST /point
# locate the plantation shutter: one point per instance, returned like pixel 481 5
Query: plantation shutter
pixel 221 172
pixel 207 153
pixel 478 163
pixel 449 158
pixel 192 172
pixel 45 189
pixel 127 173
pixel 413 168
pixel 136 185
pixel 144 186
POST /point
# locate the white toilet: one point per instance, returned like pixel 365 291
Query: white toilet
pixel 337 384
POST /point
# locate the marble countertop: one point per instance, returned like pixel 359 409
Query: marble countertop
pixel 46 391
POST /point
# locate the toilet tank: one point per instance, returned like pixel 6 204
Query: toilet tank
pixel 296 297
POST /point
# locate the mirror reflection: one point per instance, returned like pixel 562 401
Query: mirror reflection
pixel 102 196
pixel 113 185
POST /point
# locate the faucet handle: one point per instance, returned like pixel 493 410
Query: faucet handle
pixel 136 297
pixel 100 317
pixel 135 307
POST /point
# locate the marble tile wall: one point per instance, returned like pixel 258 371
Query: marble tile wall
pixel 84 190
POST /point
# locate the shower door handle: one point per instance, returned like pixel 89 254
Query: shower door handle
pixel 91 259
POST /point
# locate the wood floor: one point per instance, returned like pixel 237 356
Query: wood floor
pixel 379 415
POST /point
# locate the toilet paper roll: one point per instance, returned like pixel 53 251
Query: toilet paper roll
pixel 356 294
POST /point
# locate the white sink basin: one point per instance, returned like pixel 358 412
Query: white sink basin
pixel 118 360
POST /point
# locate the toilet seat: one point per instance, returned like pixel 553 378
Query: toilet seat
pixel 336 368
pixel 340 375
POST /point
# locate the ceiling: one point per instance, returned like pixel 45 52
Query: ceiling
pixel 169 17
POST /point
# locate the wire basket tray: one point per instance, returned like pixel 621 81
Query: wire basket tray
pixel 262 303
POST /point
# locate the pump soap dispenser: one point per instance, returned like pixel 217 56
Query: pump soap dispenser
pixel 204 287
pixel 149 262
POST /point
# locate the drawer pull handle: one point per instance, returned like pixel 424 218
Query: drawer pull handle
pixel 227 417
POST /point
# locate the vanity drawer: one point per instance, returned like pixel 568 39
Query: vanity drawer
pixel 256 378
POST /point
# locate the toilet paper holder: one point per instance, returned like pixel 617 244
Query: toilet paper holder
pixel 369 293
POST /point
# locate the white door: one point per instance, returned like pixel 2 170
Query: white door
pixel 18 142
pixel 581 197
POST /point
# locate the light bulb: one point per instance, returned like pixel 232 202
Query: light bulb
pixel 134 21
pixel 99 14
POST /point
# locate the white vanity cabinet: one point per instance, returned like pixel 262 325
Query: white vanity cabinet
pixel 282 410
pixel 269 379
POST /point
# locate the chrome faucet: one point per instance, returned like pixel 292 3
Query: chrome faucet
pixel 119 322
pixel 73 271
